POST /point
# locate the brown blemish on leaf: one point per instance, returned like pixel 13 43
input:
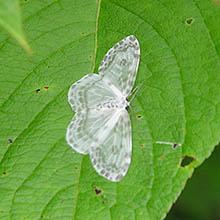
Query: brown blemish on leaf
pixel 161 157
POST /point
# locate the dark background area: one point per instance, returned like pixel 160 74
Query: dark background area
pixel 200 199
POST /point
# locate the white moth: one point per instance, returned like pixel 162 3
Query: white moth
pixel 101 126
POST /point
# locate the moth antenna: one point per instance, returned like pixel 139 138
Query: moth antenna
pixel 134 92
pixel 132 112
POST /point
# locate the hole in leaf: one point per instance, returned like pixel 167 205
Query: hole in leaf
pixel 139 116
pixel 189 20
pixel 37 90
pixel 10 140
pixel 186 160
pixel 97 191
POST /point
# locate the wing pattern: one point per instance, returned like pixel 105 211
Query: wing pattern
pixel 112 157
pixel 101 126
pixel 120 64
pixel 86 129
pixel 89 92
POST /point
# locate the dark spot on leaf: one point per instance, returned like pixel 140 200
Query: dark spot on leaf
pixel 4 173
pixel 10 140
pixel 37 90
pixel 103 202
pixel 1 211
pixel 139 116
pixel 189 20
pixel 186 160
pixel 97 191
pixel 175 146
pixel 46 87
pixel 76 168
pixel 41 216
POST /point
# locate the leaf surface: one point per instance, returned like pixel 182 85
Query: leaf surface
pixel 40 175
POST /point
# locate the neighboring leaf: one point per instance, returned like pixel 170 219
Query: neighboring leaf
pixel 41 176
pixel 11 21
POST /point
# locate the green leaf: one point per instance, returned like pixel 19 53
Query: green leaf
pixel 179 102
pixel 11 21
